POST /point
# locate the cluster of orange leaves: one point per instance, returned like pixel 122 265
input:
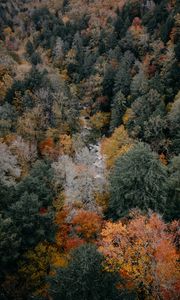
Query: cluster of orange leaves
pixel 84 226
pixel 143 251
pixel 48 147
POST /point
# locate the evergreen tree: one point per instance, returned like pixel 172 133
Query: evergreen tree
pixel 35 58
pixel 118 108
pixel 9 244
pixel 8 119
pixel 29 48
pixel 146 107
pixel 139 84
pixel 138 180
pixel 84 278
pixel 38 182
pixel 123 76
pixel 173 203
pixel 30 206
pixel 32 223
pixel 173 119
pixel 118 26
pixel 108 81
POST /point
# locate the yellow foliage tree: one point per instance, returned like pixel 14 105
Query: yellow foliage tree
pixel 36 264
pixel 128 116
pixel 116 145
pixel 102 200
pixel 100 120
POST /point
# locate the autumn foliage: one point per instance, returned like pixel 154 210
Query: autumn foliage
pixel 116 145
pixel 87 224
pixel 84 226
pixel 53 148
pixel 142 250
pixel 89 149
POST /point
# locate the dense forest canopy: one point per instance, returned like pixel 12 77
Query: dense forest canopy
pixel 89 149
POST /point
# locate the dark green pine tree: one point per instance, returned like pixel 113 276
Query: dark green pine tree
pixel 118 108
pixel 9 244
pixel 84 278
pixel 173 202
pixel 122 81
pixel 173 119
pixel 146 108
pixel 138 180
pixel 118 26
pixel 38 182
pixel 108 81
pixel 29 48
pixel 123 76
pixel 34 224
pixel 31 206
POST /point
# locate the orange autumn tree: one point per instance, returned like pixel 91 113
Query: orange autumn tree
pixel 47 148
pixel 84 226
pixel 116 145
pixel 53 146
pixel 63 228
pixel 87 225
pixel 142 250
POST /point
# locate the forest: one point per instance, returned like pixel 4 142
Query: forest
pixel 89 149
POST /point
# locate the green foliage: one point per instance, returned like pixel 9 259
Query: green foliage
pixel 38 182
pixel 108 81
pixel 173 120
pixel 118 108
pixel 34 80
pixel 171 81
pixel 9 244
pixel 84 278
pixel 147 109
pixel 173 203
pixel 33 226
pixel 29 48
pixel 29 206
pixel 123 76
pixel 138 180
pixel 48 26
pixel 35 58
pixel 8 119
pixel 5 196
pixel 116 65
pixel 155 17
pixel 166 29
pixel 139 84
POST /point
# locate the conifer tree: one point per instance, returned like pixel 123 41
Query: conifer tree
pixel 84 278
pixel 138 180
pixel 173 203
pixel 118 108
